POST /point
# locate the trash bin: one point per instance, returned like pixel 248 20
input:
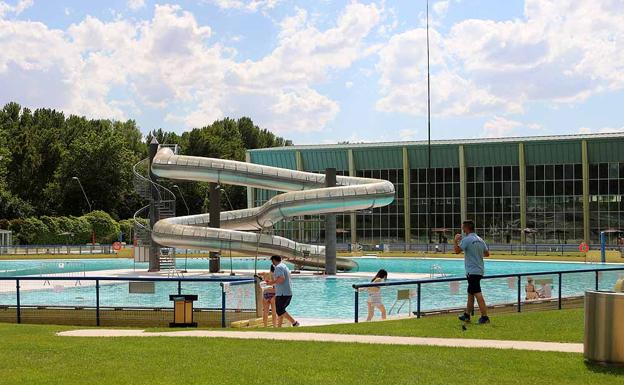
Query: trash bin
pixel 604 327
pixel 183 310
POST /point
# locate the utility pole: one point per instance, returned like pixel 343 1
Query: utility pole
pixel 154 250
pixel 214 195
pixel 428 138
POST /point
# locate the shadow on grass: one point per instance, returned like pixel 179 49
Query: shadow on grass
pixel 614 370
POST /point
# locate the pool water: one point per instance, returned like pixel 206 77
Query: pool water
pixel 313 297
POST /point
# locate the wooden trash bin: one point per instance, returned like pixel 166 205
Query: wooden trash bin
pixel 183 310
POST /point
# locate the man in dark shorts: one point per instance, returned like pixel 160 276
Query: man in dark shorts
pixel 474 249
pixel 283 290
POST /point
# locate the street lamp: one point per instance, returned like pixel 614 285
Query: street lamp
pixel 188 212
pixel 227 196
pixel 83 192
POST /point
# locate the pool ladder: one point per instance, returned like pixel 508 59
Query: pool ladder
pixel 436 271
pixel 167 262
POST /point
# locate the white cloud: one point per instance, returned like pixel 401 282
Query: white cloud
pixel 562 51
pixel 441 7
pixel 136 4
pixel 348 84
pixel 245 5
pixel 170 63
pixel 16 9
pixel 499 127
pixel 602 130
pixel 407 134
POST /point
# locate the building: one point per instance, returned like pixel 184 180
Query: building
pixel 565 189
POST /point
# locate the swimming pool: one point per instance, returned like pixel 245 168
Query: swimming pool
pixel 314 297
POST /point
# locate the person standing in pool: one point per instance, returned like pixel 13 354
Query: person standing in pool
pixel 283 291
pixel 374 296
pixel 475 249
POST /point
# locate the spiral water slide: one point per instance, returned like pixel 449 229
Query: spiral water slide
pixel 304 193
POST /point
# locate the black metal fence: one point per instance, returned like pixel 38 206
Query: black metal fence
pixel 504 248
pixel 121 301
pixel 419 284
pixel 56 249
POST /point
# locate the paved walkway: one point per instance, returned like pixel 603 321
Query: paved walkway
pixel 347 338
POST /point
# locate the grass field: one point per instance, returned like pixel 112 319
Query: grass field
pixel 33 354
pixel 554 325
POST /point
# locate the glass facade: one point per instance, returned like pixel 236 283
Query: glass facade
pixel 606 187
pixel 493 201
pixel 445 205
pixel 384 224
pixel 553 185
pixel 555 202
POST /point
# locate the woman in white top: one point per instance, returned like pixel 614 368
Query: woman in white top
pixel 374 296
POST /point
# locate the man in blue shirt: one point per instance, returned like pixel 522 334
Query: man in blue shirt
pixel 474 249
pixel 283 290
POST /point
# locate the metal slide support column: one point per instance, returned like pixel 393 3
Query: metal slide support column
pixel 215 222
pixel 585 161
pixel 301 221
pixel 154 250
pixel 250 190
pixel 463 196
pixel 330 228
pixel 523 195
pixel 352 216
pixel 406 197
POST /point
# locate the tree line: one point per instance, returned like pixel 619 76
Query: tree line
pixel 42 151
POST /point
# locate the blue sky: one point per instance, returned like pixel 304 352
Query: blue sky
pixel 322 71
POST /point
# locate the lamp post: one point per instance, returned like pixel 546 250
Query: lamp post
pixel 227 196
pixel 188 212
pixel 83 192
pixel 88 203
pixel 428 138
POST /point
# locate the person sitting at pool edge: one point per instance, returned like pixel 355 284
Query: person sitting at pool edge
pixel 474 249
pixel 531 293
pixel 283 290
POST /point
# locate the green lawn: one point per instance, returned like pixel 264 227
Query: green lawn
pixel 32 354
pixel 553 325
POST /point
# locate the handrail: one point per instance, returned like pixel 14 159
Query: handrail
pixel 419 283
pixel 454 279
pixel 239 281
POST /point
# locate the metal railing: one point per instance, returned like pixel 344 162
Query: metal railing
pixel 55 249
pixel 420 282
pixel 96 283
pixel 507 248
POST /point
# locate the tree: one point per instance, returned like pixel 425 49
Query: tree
pixel 105 228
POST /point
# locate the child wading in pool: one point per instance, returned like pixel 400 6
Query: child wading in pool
pixel 268 298
pixel 374 296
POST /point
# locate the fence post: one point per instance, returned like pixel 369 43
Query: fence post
pixel 519 293
pixel 179 287
pixel 222 305
pixel 418 301
pixel 560 275
pixel 97 302
pixel 357 305
pixel 597 279
pixel 17 295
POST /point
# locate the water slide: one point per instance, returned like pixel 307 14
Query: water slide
pixel 304 193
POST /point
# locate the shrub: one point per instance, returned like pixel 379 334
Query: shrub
pixel 106 228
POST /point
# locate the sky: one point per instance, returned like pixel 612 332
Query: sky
pixel 323 71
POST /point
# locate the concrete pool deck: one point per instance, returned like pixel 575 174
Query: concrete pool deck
pixel 339 338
